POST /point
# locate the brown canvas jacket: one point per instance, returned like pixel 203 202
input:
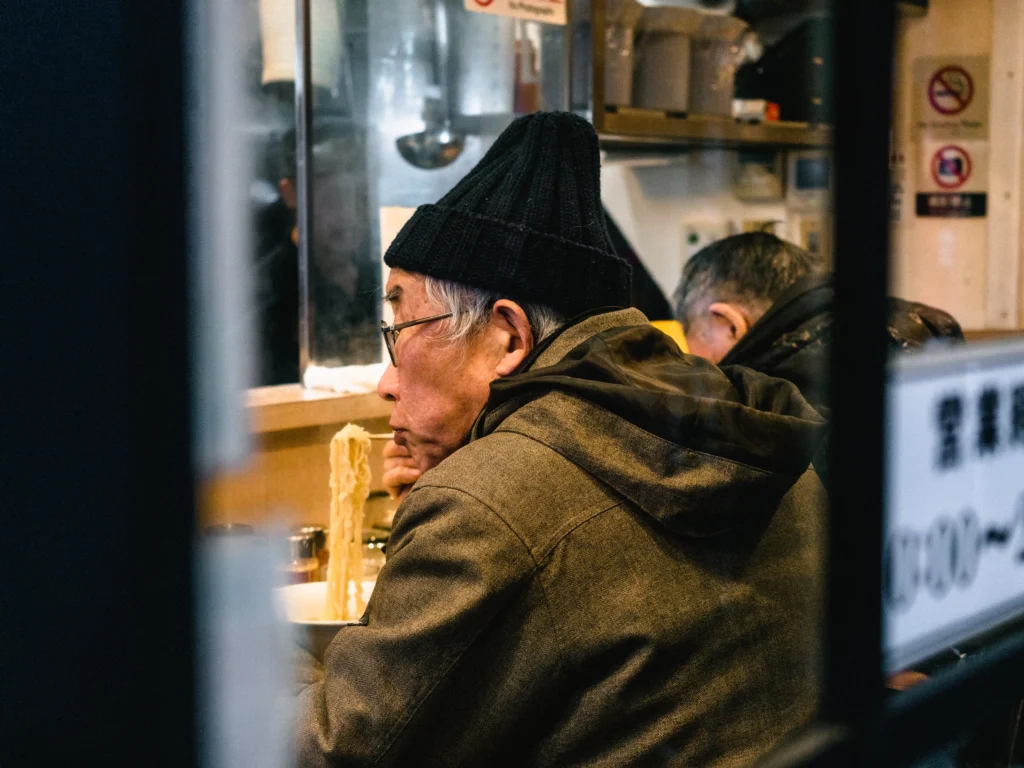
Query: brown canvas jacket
pixel 620 568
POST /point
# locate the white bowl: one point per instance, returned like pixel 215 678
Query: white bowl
pixel 303 607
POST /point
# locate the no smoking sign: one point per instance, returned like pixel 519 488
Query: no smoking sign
pixel 951 90
pixel 951 99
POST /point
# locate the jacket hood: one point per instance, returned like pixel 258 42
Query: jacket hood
pixel 703 450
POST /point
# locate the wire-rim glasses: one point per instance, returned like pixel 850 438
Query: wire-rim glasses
pixel 390 332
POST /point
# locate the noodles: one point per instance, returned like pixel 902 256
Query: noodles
pixel 350 485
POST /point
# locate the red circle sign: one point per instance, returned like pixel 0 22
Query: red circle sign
pixel 951 167
pixel 950 90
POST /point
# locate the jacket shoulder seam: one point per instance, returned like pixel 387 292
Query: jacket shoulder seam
pixel 584 517
pixel 485 505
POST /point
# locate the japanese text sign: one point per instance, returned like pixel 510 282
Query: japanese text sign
pixel 954 548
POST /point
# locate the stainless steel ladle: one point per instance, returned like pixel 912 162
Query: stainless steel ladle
pixel 437 145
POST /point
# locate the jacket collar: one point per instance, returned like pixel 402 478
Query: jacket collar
pixel 803 300
pixel 575 332
pixel 552 350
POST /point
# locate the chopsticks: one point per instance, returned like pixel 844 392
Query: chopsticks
pixel 383 436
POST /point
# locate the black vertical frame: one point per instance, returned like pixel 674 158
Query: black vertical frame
pixel 862 66
pixel 96 618
pixel 861 74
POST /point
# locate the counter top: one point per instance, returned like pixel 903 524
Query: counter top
pixel 291 406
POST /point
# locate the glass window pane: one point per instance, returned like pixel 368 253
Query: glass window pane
pixel 956 161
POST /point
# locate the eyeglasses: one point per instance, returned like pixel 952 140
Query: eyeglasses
pixel 390 332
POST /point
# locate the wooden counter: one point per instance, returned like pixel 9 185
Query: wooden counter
pixel 286 479
pixel 994 335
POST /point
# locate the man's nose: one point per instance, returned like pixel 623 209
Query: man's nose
pixel 387 387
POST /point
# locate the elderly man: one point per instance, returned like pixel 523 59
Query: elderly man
pixel 611 557
pixel 758 301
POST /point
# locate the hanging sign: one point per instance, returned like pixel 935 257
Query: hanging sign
pixel 954 547
pixel 951 97
pixel 545 11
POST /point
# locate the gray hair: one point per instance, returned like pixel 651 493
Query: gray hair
pixel 471 309
pixel 752 269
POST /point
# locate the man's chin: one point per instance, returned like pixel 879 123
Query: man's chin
pixel 426 454
pixel 429 457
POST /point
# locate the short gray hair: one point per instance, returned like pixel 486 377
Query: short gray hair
pixel 752 269
pixel 471 309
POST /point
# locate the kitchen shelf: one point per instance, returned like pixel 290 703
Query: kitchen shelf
pixel 629 128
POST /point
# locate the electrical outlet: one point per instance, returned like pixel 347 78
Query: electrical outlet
pixel 700 234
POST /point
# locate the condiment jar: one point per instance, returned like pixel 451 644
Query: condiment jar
pixel 303 565
pixel 320 550
pixel 374 543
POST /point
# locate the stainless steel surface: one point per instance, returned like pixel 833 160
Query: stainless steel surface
pixel 317 532
pixel 401 57
pixel 304 166
pixel 301 546
pixel 437 145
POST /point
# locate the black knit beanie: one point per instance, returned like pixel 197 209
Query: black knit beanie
pixel 526 222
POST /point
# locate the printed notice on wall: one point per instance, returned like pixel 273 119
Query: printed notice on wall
pixel 951 98
pixel 954 546
pixel 544 11
pixel 952 178
pixel 951 127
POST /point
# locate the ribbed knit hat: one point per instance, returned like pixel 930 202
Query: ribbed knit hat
pixel 526 222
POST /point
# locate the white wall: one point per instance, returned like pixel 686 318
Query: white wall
pixel 941 262
pixel 969 267
pixel 655 201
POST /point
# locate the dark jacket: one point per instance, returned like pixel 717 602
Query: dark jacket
pixel 620 568
pixel 793 339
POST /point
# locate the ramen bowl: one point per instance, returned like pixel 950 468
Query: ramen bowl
pixel 303 609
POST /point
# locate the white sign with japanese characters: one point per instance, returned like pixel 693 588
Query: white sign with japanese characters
pixel 545 11
pixel 954 549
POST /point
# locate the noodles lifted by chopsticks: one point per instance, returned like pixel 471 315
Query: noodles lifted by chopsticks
pixel 350 485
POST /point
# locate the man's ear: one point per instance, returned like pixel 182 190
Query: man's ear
pixel 732 317
pixel 517 337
